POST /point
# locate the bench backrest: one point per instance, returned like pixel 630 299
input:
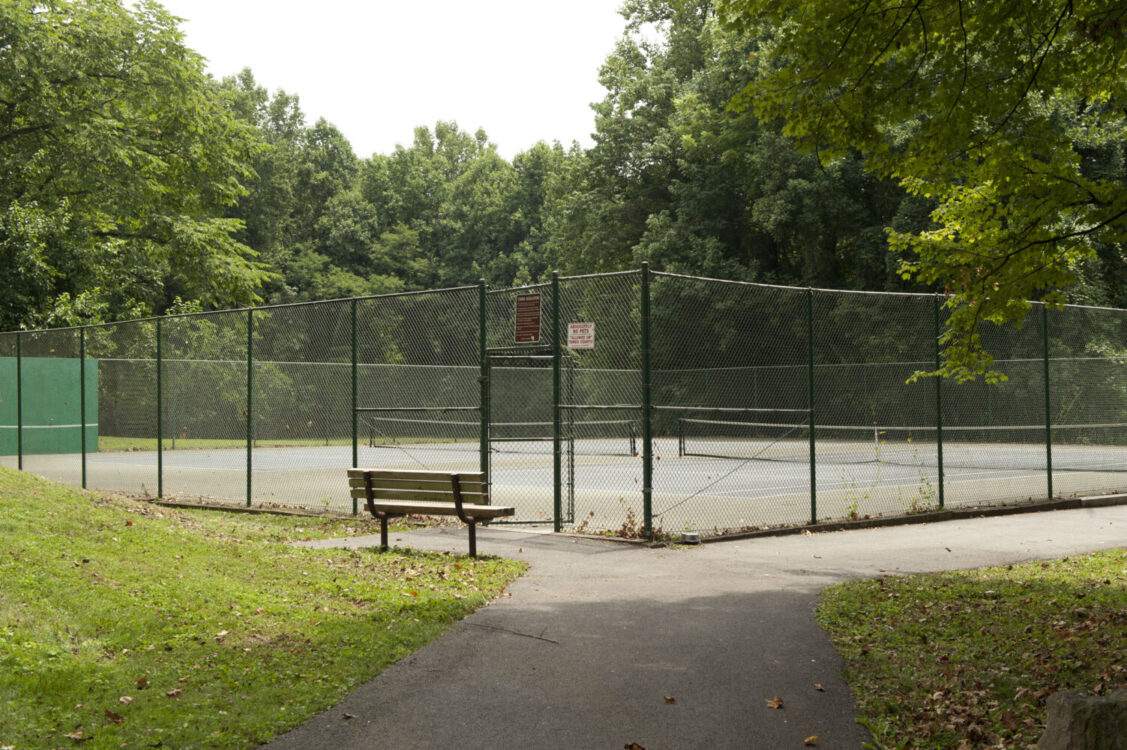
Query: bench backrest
pixel 405 484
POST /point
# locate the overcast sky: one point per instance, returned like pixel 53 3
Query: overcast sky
pixel 524 70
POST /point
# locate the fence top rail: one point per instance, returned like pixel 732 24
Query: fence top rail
pixel 729 410
pixel 380 409
pixel 279 306
pixel 600 407
pixel 542 285
pixel 511 289
pixel 605 275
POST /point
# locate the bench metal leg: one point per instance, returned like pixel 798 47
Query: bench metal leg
pixel 473 539
pixel 383 530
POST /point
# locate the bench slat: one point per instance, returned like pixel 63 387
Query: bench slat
pixel 441 509
pixel 446 496
pixel 417 484
pixel 465 476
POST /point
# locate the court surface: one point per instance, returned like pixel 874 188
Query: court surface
pixel 602 482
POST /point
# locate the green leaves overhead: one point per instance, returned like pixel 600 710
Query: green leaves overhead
pixel 1009 114
pixel 117 156
pixel 972 147
pixel 678 178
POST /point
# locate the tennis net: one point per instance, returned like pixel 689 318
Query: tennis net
pixel 1078 447
pixel 584 437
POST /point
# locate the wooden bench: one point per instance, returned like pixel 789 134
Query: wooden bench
pixel 393 493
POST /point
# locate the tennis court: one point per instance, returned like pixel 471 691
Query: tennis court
pixel 624 401
pixel 735 482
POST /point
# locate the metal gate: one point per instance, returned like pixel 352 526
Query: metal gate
pixel 530 453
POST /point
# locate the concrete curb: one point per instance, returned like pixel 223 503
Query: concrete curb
pixel 1094 501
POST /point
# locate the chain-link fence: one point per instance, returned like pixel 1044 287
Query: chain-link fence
pixel 630 403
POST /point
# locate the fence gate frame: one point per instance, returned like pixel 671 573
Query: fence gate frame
pixel 563 473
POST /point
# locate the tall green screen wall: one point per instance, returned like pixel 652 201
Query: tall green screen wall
pixel 51 402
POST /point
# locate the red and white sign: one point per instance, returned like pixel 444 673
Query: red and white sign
pixel 528 318
pixel 580 335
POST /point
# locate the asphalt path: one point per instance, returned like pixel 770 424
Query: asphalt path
pixel 583 651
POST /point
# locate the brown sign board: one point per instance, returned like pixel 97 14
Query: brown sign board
pixel 528 318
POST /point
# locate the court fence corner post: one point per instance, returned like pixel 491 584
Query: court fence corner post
pixel 1048 401
pixel 810 403
pixel 938 402
pixel 355 396
pixel 19 401
pixel 483 379
pixel 160 418
pixel 557 425
pixel 82 398
pixel 250 398
pixel 647 409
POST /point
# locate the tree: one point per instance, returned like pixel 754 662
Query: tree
pixel 445 205
pixel 678 178
pixel 117 156
pixel 1009 114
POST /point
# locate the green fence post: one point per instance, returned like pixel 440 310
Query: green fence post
pixel 250 396
pixel 938 402
pixel 483 379
pixel 19 401
pixel 810 403
pixel 557 456
pixel 1048 401
pixel 82 398
pixel 647 410
pixel 160 420
pixel 355 403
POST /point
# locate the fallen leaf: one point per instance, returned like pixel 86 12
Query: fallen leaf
pixel 125 700
pixel 633 746
pixel 347 716
pixel 76 736
pixel 143 683
pixel 819 688
pixel 115 718
pixel 174 693
pixel 670 699
pixel 221 633
pixel 810 740
pixel 183 679
pixel 775 702
pixel 128 523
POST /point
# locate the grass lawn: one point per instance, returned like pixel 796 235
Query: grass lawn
pixel 967 659
pixel 124 624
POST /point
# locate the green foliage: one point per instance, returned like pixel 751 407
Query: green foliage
pixel 976 148
pixel 678 178
pixel 1008 114
pixel 118 156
